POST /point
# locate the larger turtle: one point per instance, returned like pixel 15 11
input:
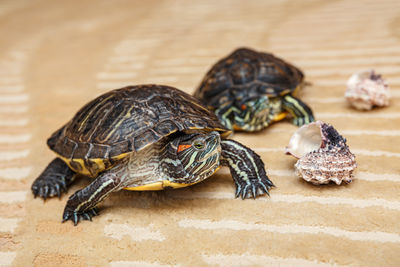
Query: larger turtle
pixel 248 90
pixel 146 137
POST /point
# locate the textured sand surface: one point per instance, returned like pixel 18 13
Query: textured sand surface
pixel 57 55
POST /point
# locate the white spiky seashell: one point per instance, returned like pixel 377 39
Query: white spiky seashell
pixel 323 154
pixel 367 89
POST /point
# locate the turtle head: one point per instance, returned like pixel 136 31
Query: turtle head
pixel 199 154
pixel 251 114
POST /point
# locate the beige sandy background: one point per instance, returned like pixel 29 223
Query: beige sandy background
pixel 57 55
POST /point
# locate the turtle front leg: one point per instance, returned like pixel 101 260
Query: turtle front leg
pixel 302 114
pixel 225 114
pixel 82 204
pixel 247 169
pixel 54 180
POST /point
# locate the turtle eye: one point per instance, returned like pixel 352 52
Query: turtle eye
pixel 243 107
pixel 198 145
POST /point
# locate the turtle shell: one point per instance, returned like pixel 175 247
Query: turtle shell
pixel 247 73
pixel 127 120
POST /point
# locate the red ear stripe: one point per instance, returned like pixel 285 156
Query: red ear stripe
pixel 183 147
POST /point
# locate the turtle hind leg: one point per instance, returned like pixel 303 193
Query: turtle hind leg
pixel 302 114
pixel 54 180
pixel 247 169
pixel 82 204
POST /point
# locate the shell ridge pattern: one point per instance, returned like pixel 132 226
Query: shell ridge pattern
pixel 106 112
pixel 250 72
pixel 90 108
pixel 129 119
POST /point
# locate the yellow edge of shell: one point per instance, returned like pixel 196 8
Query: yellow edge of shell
pixel 161 185
pixel 98 161
pixel 280 116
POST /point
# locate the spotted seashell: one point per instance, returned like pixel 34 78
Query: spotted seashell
pixel 323 154
pixel 366 89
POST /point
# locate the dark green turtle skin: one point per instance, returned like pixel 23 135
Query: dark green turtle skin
pixel 145 137
pixel 248 90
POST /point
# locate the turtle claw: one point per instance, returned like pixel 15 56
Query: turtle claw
pixel 53 180
pixel 237 192
pixel 58 190
pixel 87 217
pixel 245 191
pixel 76 217
pixel 265 188
pixel 253 189
pixel 254 192
pixel 48 187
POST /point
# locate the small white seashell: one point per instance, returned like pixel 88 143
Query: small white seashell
pixel 323 154
pixel 366 89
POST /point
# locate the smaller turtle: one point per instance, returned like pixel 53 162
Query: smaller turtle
pixel 146 137
pixel 248 90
